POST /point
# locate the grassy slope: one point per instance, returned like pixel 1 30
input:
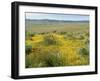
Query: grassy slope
pixel 62 49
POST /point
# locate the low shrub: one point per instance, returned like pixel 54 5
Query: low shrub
pixel 50 39
pixel 84 51
pixel 54 59
pixel 28 49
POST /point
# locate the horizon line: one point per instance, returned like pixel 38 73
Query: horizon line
pixel 56 20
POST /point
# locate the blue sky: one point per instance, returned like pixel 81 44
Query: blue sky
pixel 70 17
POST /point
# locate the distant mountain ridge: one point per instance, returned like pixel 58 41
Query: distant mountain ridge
pixel 29 22
pixel 52 20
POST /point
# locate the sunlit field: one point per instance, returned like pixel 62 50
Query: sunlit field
pixel 56 44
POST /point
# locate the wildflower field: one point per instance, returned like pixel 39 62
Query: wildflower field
pixel 53 45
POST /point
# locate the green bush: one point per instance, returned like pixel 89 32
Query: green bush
pixel 29 34
pixel 50 39
pixel 63 33
pixel 34 60
pixel 84 51
pixel 28 49
pixel 54 59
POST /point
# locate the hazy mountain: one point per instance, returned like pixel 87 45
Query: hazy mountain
pixel 41 21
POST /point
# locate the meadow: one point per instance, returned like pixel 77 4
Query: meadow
pixel 55 44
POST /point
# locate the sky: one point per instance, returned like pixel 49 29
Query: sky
pixel 68 17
